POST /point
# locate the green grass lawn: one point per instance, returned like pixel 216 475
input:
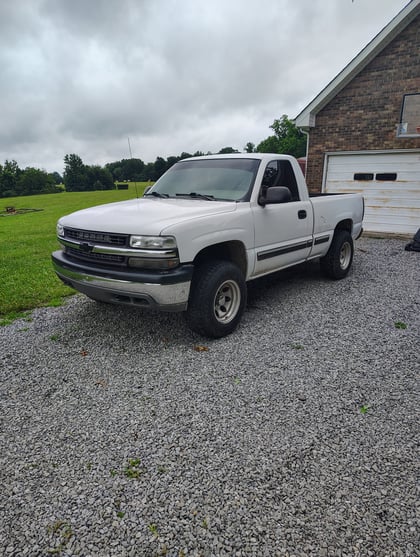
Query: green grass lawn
pixel 27 240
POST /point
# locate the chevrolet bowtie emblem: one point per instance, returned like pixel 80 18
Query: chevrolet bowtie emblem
pixel 85 247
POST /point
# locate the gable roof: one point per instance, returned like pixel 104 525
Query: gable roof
pixel 306 119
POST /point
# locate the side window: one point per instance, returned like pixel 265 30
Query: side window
pixel 287 178
pixel 280 173
pixel 270 174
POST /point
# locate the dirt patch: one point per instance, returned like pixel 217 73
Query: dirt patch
pixel 10 211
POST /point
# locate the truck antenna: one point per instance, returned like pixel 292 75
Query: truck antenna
pixel 131 156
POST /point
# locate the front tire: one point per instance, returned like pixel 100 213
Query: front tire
pixel 217 299
pixel 338 260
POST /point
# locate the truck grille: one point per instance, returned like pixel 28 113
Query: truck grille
pixel 96 237
pixel 108 258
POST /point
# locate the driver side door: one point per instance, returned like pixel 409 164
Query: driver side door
pixel 283 231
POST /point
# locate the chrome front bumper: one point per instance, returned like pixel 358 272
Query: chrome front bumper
pixel 166 291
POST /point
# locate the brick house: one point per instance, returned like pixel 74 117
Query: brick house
pixel 364 128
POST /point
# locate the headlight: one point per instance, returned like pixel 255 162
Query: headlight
pixel 162 254
pixel 153 242
pixel 60 230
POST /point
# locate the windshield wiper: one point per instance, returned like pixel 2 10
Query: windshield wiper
pixel 195 195
pixel 157 194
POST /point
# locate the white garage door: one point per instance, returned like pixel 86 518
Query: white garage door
pixel 389 182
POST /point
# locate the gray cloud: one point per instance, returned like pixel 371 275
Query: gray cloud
pixel 83 76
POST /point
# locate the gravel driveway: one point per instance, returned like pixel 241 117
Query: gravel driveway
pixel 124 434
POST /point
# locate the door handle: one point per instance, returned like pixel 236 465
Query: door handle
pixel 302 214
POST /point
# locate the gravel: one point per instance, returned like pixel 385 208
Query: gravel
pixel 124 434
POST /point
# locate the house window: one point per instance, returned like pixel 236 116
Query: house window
pixel 363 176
pixel 409 125
pixel 386 176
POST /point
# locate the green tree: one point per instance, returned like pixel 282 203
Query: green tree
pixel 160 167
pixel 148 172
pixel 34 181
pixel 105 177
pixel 75 173
pixel 58 179
pixel 269 145
pixel 292 139
pixel 249 147
pixel 116 172
pixel 185 155
pixel 227 150
pixel 287 139
pixel 99 178
pixel 126 169
pixel 170 161
pixel 9 177
pixel 132 169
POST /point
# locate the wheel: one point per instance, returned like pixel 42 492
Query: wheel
pixel 336 264
pixel 217 299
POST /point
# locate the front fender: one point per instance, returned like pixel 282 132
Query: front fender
pixel 194 236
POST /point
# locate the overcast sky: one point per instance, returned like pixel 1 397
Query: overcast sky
pixel 82 76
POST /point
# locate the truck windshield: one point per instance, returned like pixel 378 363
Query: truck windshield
pixel 212 179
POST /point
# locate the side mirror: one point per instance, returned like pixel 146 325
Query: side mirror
pixel 275 194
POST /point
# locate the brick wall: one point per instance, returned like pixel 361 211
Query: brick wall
pixel 363 116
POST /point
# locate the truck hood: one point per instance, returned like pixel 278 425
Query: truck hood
pixel 144 216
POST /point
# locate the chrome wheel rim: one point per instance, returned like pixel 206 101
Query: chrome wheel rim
pixel 227 301
pixel 345 255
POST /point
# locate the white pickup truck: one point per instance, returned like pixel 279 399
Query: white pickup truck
pixel 204 229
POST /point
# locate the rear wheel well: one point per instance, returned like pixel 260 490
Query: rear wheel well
pixel 346 224
pixel 233 251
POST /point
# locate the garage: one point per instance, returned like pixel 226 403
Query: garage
pixel 389 182
pixel 364 128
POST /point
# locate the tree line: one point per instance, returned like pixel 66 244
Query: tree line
pixel 77 176
pixel 14 181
